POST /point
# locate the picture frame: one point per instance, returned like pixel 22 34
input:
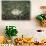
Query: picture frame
pixel 15 10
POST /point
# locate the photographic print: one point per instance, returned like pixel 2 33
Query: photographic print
pixel 15 10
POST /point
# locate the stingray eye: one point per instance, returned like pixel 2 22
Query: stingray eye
pixel 39 30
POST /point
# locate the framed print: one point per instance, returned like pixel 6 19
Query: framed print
pixel 15 10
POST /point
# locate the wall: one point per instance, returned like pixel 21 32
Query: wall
pixel 27 28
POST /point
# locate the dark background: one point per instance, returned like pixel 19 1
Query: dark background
pixel 7 6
